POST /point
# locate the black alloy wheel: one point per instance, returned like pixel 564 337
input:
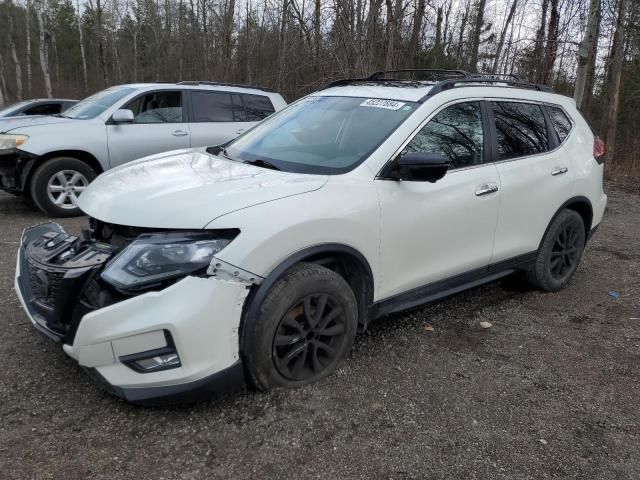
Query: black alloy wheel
pixel 309 337
pixel 566 250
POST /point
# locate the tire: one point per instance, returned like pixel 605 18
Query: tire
pixel 60 178
pixel 283 328
pixel 560 252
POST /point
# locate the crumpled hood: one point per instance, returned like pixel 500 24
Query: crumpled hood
pixel 11 123
pixel 186 189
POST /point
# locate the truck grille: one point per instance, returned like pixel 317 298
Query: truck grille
pixel 44 284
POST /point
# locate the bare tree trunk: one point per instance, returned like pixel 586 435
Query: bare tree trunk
pixel 82 53
pixel 28 44
pixel 551 49
pixel 102 54
pixel 414 43
pixel 463 26
pixel 227 46
pixel 541 34
pixel 394 15
pixel 14 59
pixel 616 62
pixel 503 35
pixel 4 97
pixel 282 41
pixel 56 63
pixel 477 31
pixel 42 50
pixel 587 54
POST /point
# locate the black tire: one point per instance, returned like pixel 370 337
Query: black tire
pixel 48 171
pixel 283 328
pixel 560 252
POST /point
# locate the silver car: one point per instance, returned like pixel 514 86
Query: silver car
pixel 52 159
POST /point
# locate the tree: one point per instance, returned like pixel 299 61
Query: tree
pixel 42 51
pixel 587 54
pixel 477 31
pixel 503 34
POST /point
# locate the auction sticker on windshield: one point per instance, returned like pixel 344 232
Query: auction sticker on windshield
pixel 380 103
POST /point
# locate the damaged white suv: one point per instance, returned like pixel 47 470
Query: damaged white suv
pixel 255 263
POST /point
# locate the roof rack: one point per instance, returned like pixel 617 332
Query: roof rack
pixel 433 71
pixel 473 81
pixel 456 78
pixel 221 84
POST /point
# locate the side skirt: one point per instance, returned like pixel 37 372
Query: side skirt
pixel 443 288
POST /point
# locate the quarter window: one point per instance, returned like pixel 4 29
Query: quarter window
pixel 560 121
pixel 456 132
pixel 258 107
pixel 520 129
pixel 157 107
pixel 217 107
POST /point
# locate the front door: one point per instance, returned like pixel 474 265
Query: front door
pixel 160 124
pixel 433 231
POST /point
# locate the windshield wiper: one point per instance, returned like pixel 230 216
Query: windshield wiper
pixel 262 163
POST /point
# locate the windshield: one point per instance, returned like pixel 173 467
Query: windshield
pixel 97 103
pixel 325 135
pixel 12 109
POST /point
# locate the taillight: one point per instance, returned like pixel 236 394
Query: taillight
pixel 599 150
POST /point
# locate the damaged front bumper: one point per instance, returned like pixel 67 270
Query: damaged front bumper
pixel 58 283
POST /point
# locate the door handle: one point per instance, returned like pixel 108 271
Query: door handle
pixel 486 189
pixel 559 171
pixel 179 133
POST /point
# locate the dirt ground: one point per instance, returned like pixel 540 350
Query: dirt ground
pixel 551 390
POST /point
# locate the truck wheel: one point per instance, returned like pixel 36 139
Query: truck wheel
pixel 559 253
pixel 57 184
pixel 305 327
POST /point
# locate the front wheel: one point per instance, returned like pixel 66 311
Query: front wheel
pixel 57 184
pixel 559 253
pixel 305 327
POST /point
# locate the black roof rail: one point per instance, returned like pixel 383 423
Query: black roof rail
pixel 222 84
pixel 498 76
pixel 434 71
pixel 380 76
pixel 449 84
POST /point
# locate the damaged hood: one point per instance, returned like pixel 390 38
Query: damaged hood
pixel 186 189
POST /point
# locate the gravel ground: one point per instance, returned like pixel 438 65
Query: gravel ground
pixel 551 390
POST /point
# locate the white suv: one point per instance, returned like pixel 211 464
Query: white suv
pixel 52 159
pixel 256 263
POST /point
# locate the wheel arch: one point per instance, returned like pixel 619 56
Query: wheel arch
pixel 82 155
pixel 581 205
pixel 348 262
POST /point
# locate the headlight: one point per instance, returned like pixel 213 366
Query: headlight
pixel 154 258
pixel 7 142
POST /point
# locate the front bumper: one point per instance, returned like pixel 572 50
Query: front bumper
pixel 201 316
pixel 15 167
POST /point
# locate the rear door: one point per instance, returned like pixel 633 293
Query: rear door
pixel 535 175
pixel 160 124
pixel 216 117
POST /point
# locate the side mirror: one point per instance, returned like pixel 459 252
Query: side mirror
pixel 420 167
pixel 122 116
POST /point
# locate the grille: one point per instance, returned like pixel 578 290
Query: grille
pixel 44 284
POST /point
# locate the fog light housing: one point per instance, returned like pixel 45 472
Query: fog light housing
pixel 150 361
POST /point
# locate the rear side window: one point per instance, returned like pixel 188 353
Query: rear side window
pixel 520 129
pixel 216 107
pixel 560 121
pixel 258 107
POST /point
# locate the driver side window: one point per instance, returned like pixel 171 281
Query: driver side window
pixel 456 132
pixel 157 107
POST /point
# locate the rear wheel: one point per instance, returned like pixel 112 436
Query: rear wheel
pixel 560 252
pixel 305 328
pixel 57 184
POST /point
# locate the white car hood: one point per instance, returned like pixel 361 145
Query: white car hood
pixel 11 123
pixel 186 189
